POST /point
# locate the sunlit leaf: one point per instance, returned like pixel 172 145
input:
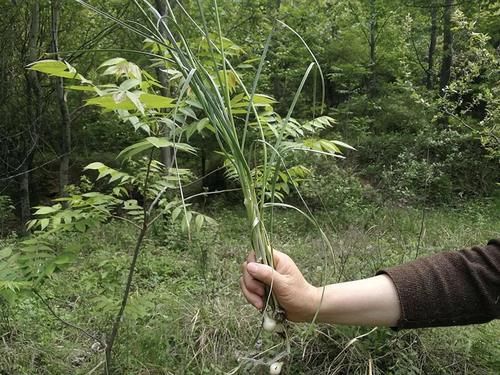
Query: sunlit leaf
pixel 125 102
pixel 44 223
pixel 113 61
pixel 94 166
pixel 135 149
pixel 64 259
pixel 5 252
pixel 43 210
pixel 80 88
pixel 55 68
pixel 156 101
pixel 342 144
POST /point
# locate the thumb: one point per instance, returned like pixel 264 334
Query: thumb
pixel 264 273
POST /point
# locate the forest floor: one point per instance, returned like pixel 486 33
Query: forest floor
pixel 187 315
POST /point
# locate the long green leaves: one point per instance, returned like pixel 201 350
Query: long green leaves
pixel 208 80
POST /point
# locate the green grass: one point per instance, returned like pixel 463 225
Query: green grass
pixel 187 315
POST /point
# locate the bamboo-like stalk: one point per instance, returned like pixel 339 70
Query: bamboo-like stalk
pixel 216 106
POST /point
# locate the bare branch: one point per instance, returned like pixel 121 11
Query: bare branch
pixel 86 333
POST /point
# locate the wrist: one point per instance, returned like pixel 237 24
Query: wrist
pixel 314 303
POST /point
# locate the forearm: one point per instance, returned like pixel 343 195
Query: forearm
pixel 444 289
pixel 451 288
pixel 367 302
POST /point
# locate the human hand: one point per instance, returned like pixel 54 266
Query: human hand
pixel 295 295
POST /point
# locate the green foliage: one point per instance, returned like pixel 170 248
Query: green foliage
pixel 415 145
pixel 433 166
pixel 38 257
pixel 57 68
pixel 177 311
pixel 155 142
pixel 340 193
pixel 471 99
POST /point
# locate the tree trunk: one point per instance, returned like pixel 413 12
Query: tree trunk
pixel 34 113
pixel 65 147
pixel 276 80
pixel 3 76
pixel 162 7
pixel 429 81
pixel 373 46
pixel 447 61
pixel 166 153
pixel 24 195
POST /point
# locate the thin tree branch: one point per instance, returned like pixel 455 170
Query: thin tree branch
pixel 385 23
pixel 126 292
pixel 86 333
pixel 417 56
pixel 356 17
pixel 211 193
pixel 31 170
pixel 117 217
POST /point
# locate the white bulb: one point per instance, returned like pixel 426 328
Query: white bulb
pixel 269 323
pixel 275 368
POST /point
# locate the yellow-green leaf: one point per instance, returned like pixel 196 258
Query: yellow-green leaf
pixel 55 68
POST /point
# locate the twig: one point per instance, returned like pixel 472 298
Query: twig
pixel 422 220
pixel 417 56
pixel 204 176
pixel 421 233
pixel 4 341
pixel 352 341
pixel 157 198
pixel 456 117
pixel 119 316
pixel 96 367
pixel 86 333
pixel 211 193
pixel 32 169
pixel 97 208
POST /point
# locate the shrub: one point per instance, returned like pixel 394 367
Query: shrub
pixel 340 193
pixel 434 166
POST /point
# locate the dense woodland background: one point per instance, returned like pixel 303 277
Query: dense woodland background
pixel 412 85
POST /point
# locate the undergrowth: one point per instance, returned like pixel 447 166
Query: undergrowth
pixel 187 316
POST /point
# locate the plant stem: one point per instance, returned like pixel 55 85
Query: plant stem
pixel 119 317
pixel 262 247
pixel 51 310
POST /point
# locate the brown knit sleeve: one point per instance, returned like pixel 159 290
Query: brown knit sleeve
pixel 449 288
